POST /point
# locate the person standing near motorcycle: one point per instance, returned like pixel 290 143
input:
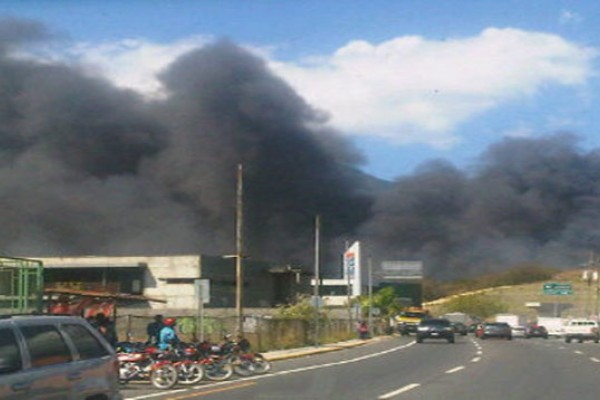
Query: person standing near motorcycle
pixel 153 329
pixel 167 336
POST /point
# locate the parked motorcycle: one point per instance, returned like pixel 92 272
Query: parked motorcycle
pixel 217 365
pixel 137 362
pixel 185 359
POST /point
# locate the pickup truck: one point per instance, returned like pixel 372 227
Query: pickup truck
pixel 580 330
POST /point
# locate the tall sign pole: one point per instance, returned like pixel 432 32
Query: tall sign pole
pixel 370 323
pixel 239 273
pixel 348 287
pixel 317 276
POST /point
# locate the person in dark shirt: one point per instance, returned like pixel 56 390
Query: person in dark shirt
pixel 153 329
pixel 105 327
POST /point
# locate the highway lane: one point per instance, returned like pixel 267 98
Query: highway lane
pixel 402 370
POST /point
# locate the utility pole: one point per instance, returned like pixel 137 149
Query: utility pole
pixel 239 245
pixel 370 320
pixel 317 276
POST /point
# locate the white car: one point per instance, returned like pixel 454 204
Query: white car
pixel 518 331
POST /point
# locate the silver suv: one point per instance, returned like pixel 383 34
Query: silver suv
pixel 55 357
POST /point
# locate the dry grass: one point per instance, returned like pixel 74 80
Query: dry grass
pixel 584 301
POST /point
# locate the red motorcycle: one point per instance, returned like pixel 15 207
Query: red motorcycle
pixel 137 362
pixel 185 359
pixel 244 362
pixel 217 366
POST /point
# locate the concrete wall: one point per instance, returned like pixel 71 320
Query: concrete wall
pixel 171 278
pixel 159 273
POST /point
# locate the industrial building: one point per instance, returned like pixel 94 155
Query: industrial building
pixel 174 279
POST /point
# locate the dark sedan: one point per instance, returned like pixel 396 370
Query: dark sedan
pixel 460 328
pixel 536 331
pixel 495 330
pixel 435 328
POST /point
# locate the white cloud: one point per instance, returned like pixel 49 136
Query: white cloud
pixel 568 17
pixel 413 90
pixel 406 90
pixel 133 63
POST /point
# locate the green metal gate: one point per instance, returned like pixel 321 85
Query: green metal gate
pixel 21 285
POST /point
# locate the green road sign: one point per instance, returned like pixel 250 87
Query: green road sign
pixel 559 289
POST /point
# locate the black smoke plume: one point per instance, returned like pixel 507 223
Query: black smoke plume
pixel 528 199
pixel 88 168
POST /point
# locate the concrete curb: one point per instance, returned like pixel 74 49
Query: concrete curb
pixel 326 348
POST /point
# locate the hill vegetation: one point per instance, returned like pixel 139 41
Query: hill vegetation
pixel 517 275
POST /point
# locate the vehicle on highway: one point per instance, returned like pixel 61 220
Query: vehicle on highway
pixel 581 330
pixel 435 328
pixel 408 320
pixel 460 328
pixel 518 331
pixel 57 357
pixel 535 330
pixel 495 330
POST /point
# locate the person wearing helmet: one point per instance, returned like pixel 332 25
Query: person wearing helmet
pixel 167 336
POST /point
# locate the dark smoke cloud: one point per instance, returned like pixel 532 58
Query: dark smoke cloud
pixel 18 32
pixel 88 168
pixel 527 200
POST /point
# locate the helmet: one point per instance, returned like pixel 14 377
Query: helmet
pixel 169 321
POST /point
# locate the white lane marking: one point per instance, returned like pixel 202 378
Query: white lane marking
pixel 479 352
pixel 401 390
pixel 578 352
pixel 453 370
pixel 594 359
pixel 476 359
pixel 149 396
pixel 312 367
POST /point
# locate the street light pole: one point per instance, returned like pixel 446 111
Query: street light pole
pixel 317 276
pixel 370 323
pixel 239 273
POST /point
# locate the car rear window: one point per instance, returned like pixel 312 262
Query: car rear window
pixel 10 355
pixel 88 346
pixel 46 345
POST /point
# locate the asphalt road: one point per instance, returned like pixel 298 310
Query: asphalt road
pixel 400 369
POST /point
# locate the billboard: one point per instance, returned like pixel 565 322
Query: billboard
pixel 402 270
pixel 352 268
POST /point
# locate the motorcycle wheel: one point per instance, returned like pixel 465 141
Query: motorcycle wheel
pixel 126 372
pixel 242 367
pixel 261 365
pixel 164 377
pixel 218 371
pixel 190 374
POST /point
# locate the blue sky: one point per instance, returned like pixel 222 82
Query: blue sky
pixel 406 81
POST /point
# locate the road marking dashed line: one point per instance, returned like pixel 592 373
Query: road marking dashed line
pixel 453 370
pixel 401 390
